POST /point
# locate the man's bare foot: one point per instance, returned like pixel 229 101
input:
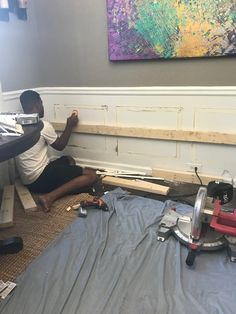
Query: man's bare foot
pixel 45 203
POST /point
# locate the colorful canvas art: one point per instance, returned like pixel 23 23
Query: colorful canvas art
pixel 153 29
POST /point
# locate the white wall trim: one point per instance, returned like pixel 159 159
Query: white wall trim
pixel 153 91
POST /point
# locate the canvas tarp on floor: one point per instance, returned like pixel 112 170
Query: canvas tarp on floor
pixel 112 263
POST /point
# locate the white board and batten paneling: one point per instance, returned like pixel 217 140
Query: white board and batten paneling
pixel 207 109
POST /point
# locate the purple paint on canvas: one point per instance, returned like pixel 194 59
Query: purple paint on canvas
pixel 124 42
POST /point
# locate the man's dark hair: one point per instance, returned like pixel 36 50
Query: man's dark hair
pixel 28 98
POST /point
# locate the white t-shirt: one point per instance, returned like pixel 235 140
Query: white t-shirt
pixel 32 162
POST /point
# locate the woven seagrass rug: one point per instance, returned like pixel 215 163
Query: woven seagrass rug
pixel 37 230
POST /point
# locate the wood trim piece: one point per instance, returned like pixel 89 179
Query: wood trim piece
pixel 161 134
pixel 25 197
pixel 184 176
pixel 7 207
pixel 137 185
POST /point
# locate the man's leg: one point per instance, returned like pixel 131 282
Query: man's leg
pixel 87 179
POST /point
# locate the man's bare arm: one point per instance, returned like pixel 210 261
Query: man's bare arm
pixel 62 141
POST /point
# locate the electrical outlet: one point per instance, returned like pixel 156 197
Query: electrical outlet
pixel 192 166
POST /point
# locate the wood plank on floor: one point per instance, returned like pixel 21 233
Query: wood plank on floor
pixel 7 207
pixel 25 197
pixel 137 185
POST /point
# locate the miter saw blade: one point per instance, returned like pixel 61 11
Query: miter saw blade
pixel 196 225
pixel 209 240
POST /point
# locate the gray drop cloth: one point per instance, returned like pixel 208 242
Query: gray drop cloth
pixel 111 263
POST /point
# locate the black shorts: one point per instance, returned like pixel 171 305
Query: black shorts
pixel 55 174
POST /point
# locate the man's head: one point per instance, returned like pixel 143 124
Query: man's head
pixel 31 102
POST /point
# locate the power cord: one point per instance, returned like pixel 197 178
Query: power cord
pixel 195 169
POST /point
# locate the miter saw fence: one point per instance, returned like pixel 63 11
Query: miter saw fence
pixel 208 227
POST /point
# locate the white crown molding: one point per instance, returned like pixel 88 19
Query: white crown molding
pixel 135 91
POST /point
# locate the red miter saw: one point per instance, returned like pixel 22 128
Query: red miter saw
pixel 208 228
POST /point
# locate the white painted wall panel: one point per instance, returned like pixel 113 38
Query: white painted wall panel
pixel 216 159
pixel 149 116
pixel 88 142
pixel 215 119
pixel 89 114
pixel 147 149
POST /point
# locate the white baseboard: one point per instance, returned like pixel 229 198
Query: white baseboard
pixel 109 166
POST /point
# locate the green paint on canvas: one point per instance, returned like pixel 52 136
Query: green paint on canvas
pixel 158 24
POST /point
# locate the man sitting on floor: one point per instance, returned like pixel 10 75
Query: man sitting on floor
pixel 59 177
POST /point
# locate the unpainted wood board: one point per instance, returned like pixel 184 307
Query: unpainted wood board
pixel 137 185
pixel 25 197
pixel 184 176
pixel 7 207
pixel 210 137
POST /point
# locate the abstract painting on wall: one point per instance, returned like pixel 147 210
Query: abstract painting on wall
pixel 154 29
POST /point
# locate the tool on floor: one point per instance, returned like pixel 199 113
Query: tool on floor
pixel 208 228
pixel 83 206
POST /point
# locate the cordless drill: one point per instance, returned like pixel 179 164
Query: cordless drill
pixel 96 203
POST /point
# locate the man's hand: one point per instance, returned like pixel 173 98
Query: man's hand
pixel 62 141
pixel 73 120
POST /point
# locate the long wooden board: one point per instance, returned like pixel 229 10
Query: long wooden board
pixel 25 197
pixel 7 207
pixel 210 137
pixel 137 185
pixel 184 176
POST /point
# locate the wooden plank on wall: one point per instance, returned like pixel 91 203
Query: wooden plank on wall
pixel 137 185
pixel 184 176
pixel 7 207
pixel 25 197
pixel 161 134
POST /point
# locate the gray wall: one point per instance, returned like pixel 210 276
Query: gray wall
pixel 68 47
pixel 18 53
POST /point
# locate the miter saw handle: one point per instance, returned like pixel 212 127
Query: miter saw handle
pixel 223 222
pixel 191 257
